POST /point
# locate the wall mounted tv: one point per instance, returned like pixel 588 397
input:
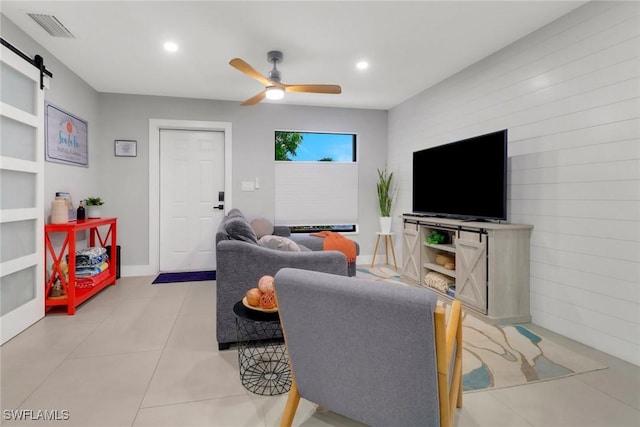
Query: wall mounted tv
pixel 465 179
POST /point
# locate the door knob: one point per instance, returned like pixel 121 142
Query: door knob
pixel 220 199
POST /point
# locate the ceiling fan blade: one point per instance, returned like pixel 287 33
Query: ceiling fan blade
pixel 240 65
pixel 255 99
pixel 334 89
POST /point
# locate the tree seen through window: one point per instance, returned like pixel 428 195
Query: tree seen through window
pixel 315 147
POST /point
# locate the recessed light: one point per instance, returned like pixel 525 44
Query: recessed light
pixel 170 47
pixel 362 65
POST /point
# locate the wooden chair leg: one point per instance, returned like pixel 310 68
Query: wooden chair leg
pixel 291 406
pixel 459 361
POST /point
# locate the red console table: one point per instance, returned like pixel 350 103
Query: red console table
pixel 102 232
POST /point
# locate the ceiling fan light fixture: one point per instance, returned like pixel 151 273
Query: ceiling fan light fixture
pixel 274 89
pixel 274 93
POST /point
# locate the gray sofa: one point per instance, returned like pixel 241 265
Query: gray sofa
pixel 241 261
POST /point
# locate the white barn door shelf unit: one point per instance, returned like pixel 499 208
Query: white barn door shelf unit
pixel 22 184
pixel 490 271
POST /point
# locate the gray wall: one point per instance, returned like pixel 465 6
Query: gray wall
pixel 70 93
pixel 569 94
pixel 126 180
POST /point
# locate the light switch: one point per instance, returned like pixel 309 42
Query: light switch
pixel 248 186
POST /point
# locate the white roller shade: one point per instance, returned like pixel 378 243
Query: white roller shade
pixel 316 193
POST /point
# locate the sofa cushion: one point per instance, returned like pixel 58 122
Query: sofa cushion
pixel 262 227
pixel 235 213
pixel 237 228
pixel 278 242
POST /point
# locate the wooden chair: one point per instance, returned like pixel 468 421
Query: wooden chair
pixel 380 353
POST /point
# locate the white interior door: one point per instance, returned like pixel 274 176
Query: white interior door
pixel 191 177
pixel 22 278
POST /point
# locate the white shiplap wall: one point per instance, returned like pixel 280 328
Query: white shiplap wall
pixel 569 94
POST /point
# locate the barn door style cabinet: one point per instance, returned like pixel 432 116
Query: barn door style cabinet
pixel 485 265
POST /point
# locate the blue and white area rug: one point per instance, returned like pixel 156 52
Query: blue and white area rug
pixel 378 272
pixel 506 355
pixel 510 355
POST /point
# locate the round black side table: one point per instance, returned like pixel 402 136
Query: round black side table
pixel 262 356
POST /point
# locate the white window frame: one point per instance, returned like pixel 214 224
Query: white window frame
pixel 308 192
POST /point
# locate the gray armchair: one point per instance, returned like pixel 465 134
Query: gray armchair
pixel 377 352
pixel 241 262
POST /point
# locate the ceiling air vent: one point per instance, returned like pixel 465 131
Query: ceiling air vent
pixel 52 25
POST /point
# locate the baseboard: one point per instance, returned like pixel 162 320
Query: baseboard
pixel 149 270
pixel 137 270
pixel 365 259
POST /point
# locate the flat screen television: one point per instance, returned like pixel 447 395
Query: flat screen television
pixel 465 179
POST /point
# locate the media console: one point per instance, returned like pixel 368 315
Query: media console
pixel 490 271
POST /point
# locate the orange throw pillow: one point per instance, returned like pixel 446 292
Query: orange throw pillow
pixel 337 242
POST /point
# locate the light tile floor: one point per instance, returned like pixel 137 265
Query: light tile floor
pixel 146 355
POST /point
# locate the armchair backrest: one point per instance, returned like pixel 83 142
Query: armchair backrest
pixel 362 348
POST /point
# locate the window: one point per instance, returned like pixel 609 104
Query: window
pixel 315 147
pixel 316 181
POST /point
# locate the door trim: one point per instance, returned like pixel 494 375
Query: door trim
pixel 154 175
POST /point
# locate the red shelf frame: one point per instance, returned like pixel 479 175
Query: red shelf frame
pixel 76 296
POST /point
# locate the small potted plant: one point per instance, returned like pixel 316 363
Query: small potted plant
pixel 94 207
pixel 386 192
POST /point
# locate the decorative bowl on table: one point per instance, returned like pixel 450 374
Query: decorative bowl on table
pixel 258 308
pixel 262 298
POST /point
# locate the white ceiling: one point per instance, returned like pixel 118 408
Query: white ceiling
pixel 411 45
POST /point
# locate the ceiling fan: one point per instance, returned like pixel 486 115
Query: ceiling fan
pixel 274 88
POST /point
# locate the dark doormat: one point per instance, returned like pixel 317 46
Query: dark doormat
pixel 185 276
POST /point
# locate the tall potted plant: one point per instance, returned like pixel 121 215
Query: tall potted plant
pixel 94 207
pixel 386 192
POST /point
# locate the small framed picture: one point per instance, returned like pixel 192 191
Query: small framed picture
pixel 126 148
